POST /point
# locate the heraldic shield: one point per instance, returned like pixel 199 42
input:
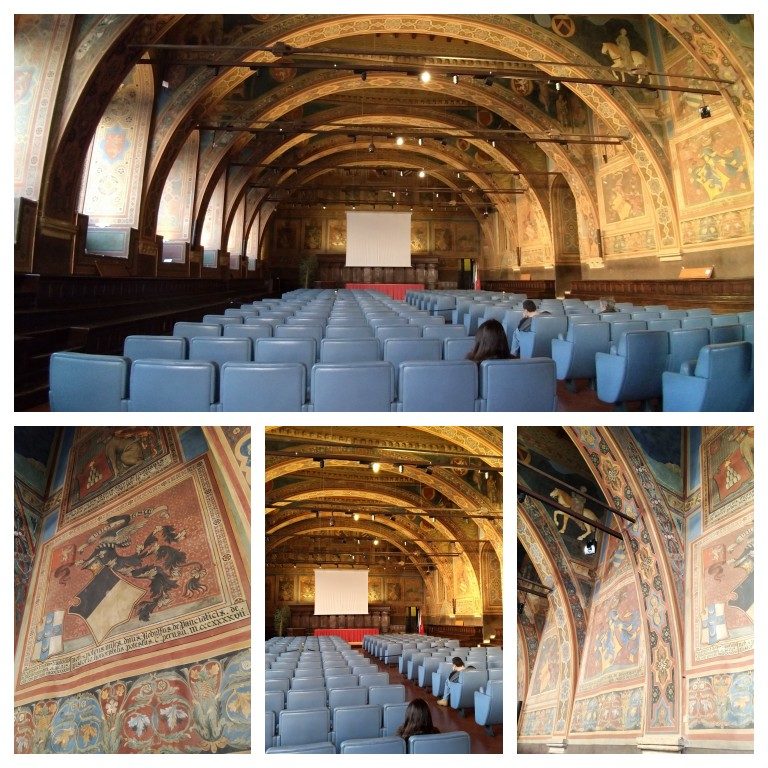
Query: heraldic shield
pixel 106 602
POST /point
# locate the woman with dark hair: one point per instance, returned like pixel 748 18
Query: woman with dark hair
pixel 490 343
pixel 418 720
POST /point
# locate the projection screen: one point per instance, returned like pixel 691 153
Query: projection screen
pixel 378 239
pixel 340 591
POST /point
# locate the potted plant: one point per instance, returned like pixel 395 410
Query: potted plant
pixel 307 269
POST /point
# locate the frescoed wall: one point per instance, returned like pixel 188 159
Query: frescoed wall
pixel 174 220
pixel 136 628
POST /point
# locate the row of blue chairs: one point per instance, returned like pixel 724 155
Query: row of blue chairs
pixel 81 382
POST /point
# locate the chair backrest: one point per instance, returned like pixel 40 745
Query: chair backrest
pixel 156 347
pixel 253 332
pixel 375 678
pixel 696 321
pixel 221 350
pixel 665 324
pixel 299 332
pixel 349 350
pixel 393 717
pixel 746 317
pixel 722 334
pixel 397 351
pixel 314 699
pixel 317 748
pixel 590 318
pixel 444 332
pixel 188 330
pixel 278 684
pixel 386 694
pixel 620 328
pixel 383 745
pixel 384 332
pixel 222 319
pixel 172 385
pixel 518 385
pixel 452 743
pixel 341 681
pixel 347 696
pixel 728 319
pixel 356 722
pixel 684 345
pixel 677 314
pixel 438 385
pixel 457 348
pixel 274 700
pixel 269 728
pixel 645 315
pixel 538 341
pixel 307 683
pixel 361 331
pixel 353 386
pixel 82 382
pixel 286 351
pixel 303 726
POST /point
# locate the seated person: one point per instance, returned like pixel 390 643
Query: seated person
pixel 529 312
pixel 458 668
pixel 607 305
pixel 418 720
pixel 491 343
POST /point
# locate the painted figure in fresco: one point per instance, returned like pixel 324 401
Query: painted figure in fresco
pixel 549 669
pixel 619 643
pixel 721 168
pixel 622 63
pixel 576 503
pixel 130 446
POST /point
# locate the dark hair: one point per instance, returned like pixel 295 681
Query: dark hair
pixel 418 720
pixel 529 305
pixel 491 343
pixel 457 661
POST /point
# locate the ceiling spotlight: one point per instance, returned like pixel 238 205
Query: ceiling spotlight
pixel 422 173
pixel 399 141
pixel 356 517
pixel 400 468
pixel 421 141
pixel 558 85
pixel 331 522
pixel 373 516
pixel 486 474
pixel 375 542
pixel 425 77
pixel 429 470
pixel 493 143
pixel 486 212
pixel 455 79
pixel 590 546
pixel 371 147
pixel 489 80
pixel 375 467
pixel 324 206
pixel 363 75
pixel 704 112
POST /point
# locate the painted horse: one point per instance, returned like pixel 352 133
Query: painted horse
pixel 566 500
pixel 639 62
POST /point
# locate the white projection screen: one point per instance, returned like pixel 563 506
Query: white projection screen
pixel 378 239
pixel 339 591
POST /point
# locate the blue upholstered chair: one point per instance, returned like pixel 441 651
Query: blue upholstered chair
pixel 656 308
pixel 307 683
pixel 634 372
pixel 746 317
pixel 341 681
pixel 279 684
pixel 383 745
pixel 318 748
pixel 664 324
pixel 356 722
pixel 82 382
pixel 425 321
pixel 361 331
pixel 299 332
pixel 314 699
pixel 188 330
pixel 412 670
pixel 489 710
pixel 275 701
pixel 253 332
pixel 156 347
pixel 696 321
pixel 221 319
pixel 351 696
pixel 220 350
pixel 352 387
pixel 461 693
pixel 364 669
pixel 684 345
pixel 727 319
pixel 645 315
pixel 722 380
pixel 474 317
pixel 269 728
pixel 443 306
pixel 437 385
pixel 458 348
pixel 574 354
pixel 452 743
pixel 349 350
pixel 397 351
pixel 426 669
pixel 538 341
pixel 518 385
pixel 444 332
pixel 386 694
pixel 749 332
pixel 512 318
pixel 620 327
pixel 493 313
pixel 392 653
pixel 440 677
pixel 393 716
pixel 615 317
pixel 374 678
pixel 577 319
pixel 722 334
pixel 172 385
pixel 286 351
pixel 676 314
pixel 303 726
pixel 384 332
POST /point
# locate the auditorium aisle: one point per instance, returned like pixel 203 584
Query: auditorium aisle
pixel 444 718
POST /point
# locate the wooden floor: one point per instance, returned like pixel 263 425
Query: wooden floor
pixel 584 398
pixel 447 719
